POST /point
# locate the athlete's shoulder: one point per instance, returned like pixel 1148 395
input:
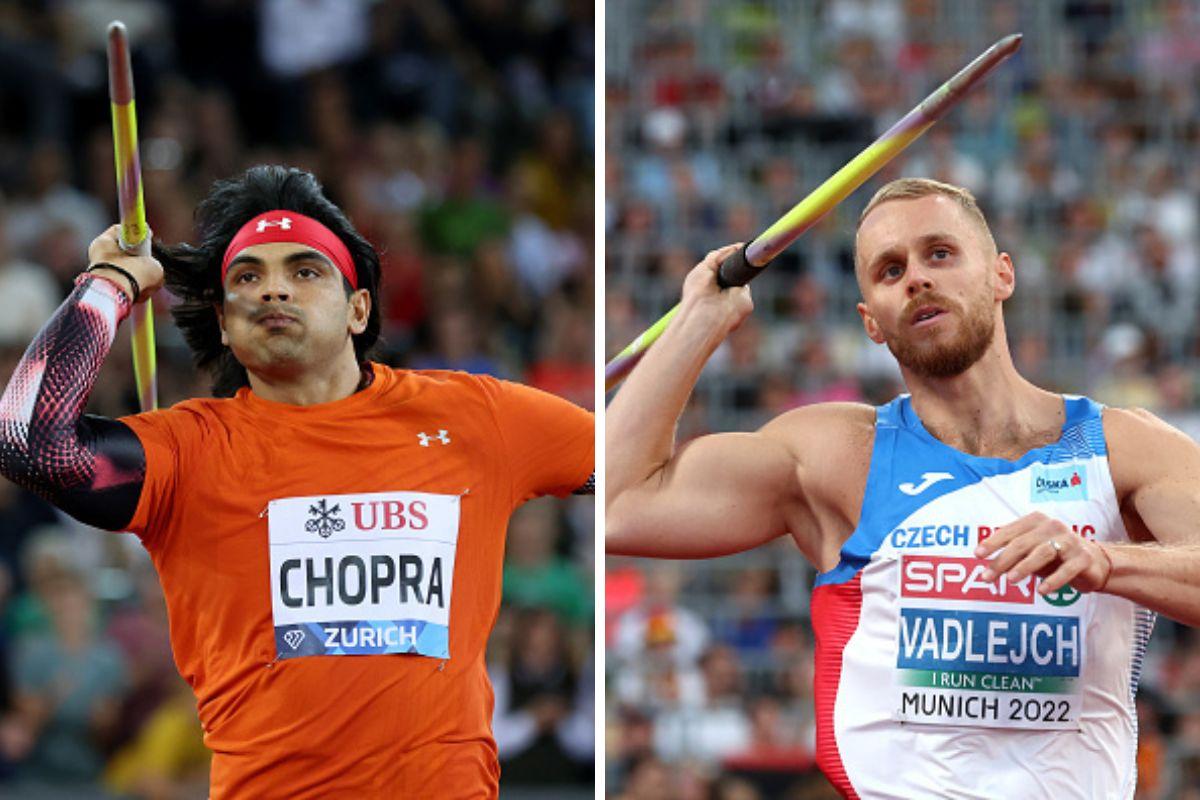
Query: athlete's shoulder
pixel 435 380
pixel 187 421
pixel 1127 421
pixel 828 429
pixel 1144 448
pixel 818 418
pixel 1139 431
pixel 485 386
pixel 447 391
pixel 191 410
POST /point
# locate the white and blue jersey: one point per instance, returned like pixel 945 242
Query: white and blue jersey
pixel 932 682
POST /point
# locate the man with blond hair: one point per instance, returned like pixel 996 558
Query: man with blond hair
pixel 991 555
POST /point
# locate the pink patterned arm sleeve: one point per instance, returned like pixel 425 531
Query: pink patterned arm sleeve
pixel 91 467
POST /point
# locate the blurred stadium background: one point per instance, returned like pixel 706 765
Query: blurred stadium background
pixel 458 136
pixel 720 116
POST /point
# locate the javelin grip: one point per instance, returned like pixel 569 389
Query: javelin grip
pixel 736 270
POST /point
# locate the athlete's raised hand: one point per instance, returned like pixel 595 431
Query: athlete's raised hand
pixel 145 269
pixel 701 294
pixel 1038 545
pixel 716 495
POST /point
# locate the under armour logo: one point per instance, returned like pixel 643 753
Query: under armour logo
pixel 293 638
pixel 443 436
pixel 927 479
pixel 284 224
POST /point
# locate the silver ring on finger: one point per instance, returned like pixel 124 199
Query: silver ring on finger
pixel 1057 546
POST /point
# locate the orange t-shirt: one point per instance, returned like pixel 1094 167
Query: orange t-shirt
pixel 242 500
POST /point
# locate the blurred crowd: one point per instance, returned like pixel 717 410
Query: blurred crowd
pixel 721 116
pixel 458 138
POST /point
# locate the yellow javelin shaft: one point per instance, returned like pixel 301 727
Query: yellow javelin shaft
pixel 132 206
pixel 743 266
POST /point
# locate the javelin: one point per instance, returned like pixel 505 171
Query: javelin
pixel 743 266
pixel 132 207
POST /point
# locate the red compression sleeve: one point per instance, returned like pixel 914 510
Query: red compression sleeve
pixel 90 467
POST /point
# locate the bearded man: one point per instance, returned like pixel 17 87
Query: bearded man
pixel 990 555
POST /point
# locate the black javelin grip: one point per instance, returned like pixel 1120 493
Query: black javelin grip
pixel 736 270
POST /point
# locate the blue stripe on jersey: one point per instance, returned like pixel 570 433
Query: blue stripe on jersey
pixel 906 453
pixel 1144 620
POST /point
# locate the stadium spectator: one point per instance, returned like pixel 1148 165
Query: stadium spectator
pixel 543 722
pixel 68 684
pixel 534 573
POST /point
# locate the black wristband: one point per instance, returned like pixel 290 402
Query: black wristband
pixel 133 284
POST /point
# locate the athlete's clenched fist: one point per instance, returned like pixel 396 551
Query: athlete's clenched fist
pixel 701 294
pixel 106 249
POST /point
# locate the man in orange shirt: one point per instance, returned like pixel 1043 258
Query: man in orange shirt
pixel 329 531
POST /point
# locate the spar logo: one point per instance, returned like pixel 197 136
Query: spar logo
pixel 1055 484
pixel 949 578
pixel 324 520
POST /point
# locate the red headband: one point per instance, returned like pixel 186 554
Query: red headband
pixel 288 226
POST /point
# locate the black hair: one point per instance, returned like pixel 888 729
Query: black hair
pixel 193 272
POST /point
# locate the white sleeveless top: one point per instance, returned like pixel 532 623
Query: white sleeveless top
pixel 930 681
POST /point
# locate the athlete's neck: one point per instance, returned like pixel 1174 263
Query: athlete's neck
pixel 312 386
pixel 988 410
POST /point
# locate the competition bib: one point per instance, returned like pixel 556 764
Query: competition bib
pixel 994 655
pixel 361 574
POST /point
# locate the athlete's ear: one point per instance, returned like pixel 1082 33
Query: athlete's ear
pixel 869 324
pixel 358 311
pixel 221 323
pixel 1006 276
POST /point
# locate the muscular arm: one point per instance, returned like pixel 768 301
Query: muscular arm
pixel 88 466
pixel 713 497
pixel 719 494
pixel 1156 469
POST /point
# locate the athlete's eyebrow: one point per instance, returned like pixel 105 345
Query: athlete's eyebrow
pixel 307 255
pixel 290 258
pixel 890 254
pixel 896 250
pixel 937 237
